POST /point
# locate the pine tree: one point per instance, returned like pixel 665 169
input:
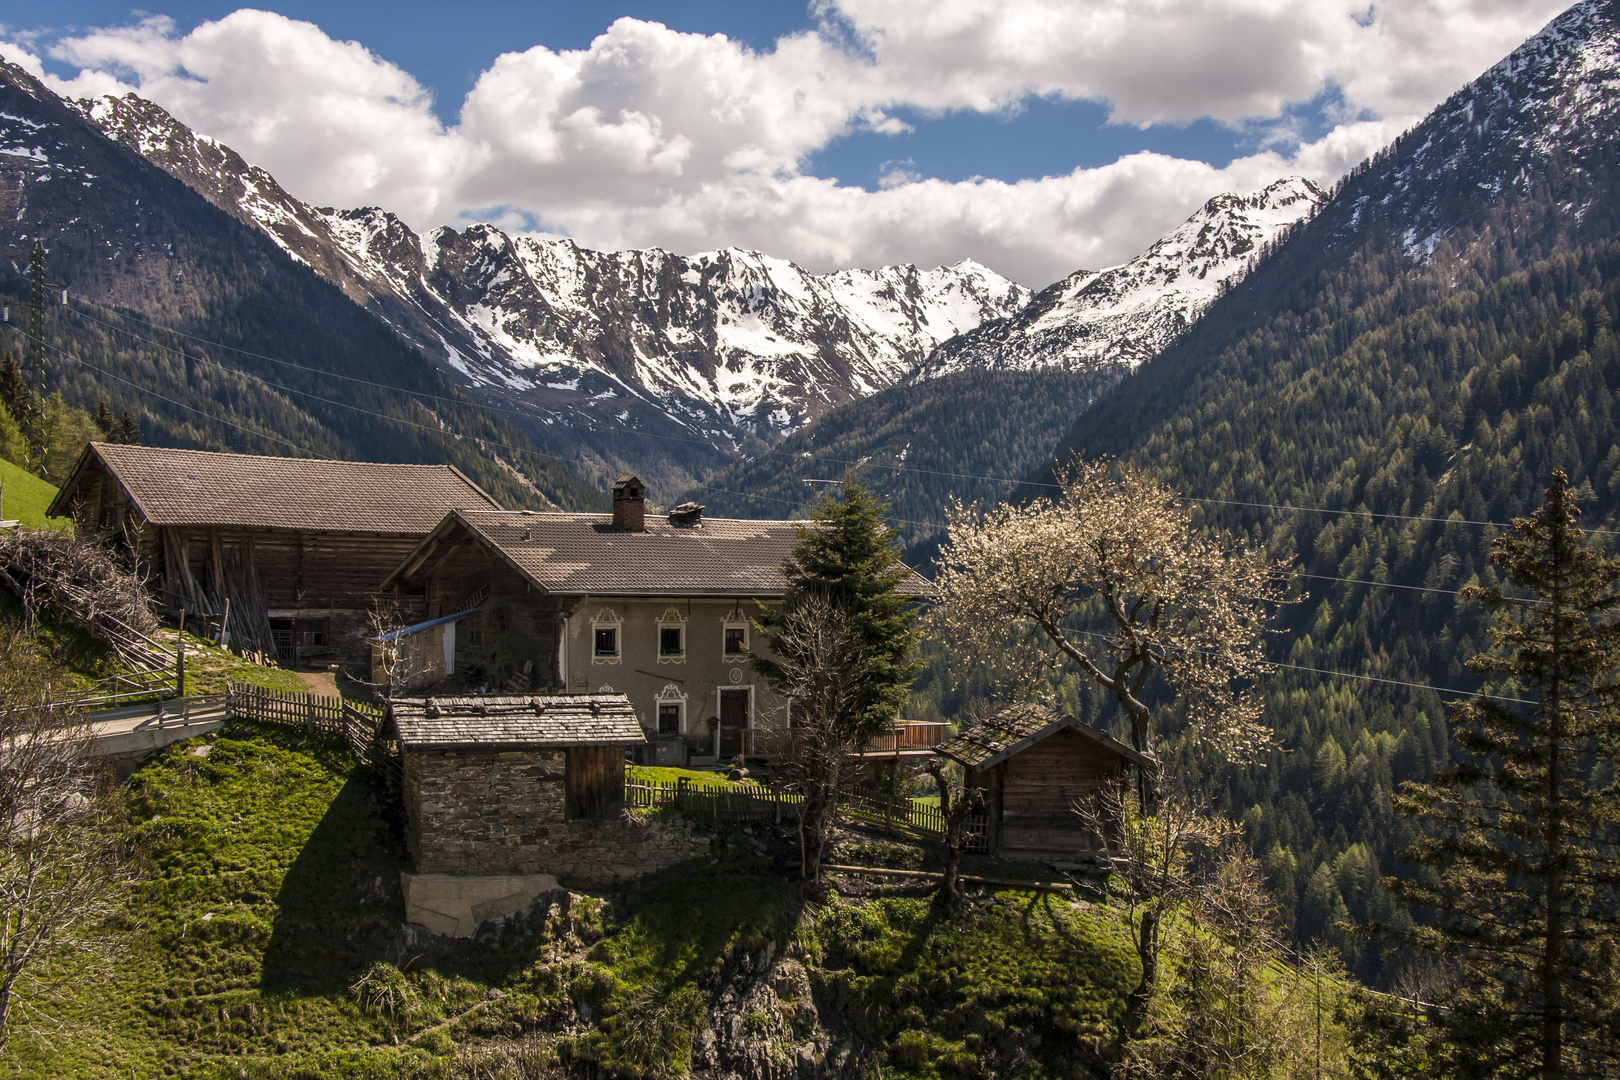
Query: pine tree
pixel 1521 848
pixel 24 406
pixel 841 650
pixel 850 557
pixel 106 421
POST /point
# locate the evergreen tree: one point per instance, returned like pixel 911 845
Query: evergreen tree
pixel 849 556
pixel 129 431
pixel 1521 849
pixel 841 651
pixel 106 421
pixel 24 406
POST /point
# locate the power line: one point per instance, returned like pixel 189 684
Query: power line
pixel 1348 675
pixel 771 452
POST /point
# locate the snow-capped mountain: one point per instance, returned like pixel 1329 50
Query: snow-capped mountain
pixel 1124 315
pixel 728 346
pixel 1544 115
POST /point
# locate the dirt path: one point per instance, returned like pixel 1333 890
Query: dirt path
pixel 323 683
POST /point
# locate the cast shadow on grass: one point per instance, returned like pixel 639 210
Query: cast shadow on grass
pixel 339 905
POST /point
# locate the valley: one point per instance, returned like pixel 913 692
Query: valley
pixel 1360 393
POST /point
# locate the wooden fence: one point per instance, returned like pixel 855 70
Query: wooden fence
pixel 755 802
pixel 357 726
pixel 894 812
pixel 734 802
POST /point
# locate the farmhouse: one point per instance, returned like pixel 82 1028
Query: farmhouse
pixel 658 610
pixel 505 795
pixel 295 546
pixel 1035 765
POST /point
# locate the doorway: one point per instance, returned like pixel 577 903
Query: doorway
pixel 733 721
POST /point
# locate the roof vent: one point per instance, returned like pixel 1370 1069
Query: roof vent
pixel 431 708
pixel 688 515
pixel 630 503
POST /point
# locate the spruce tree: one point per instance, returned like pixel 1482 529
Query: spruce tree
pixel 840 649
pixel 850 557
pixel 1519 876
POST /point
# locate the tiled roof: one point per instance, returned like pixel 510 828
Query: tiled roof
pixel 1016 727
pixel 196 487
pixel 573 720
pixel 576 554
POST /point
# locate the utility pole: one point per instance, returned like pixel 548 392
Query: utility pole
pixel 38 284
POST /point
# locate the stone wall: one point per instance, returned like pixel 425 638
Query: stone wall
pixel 488 812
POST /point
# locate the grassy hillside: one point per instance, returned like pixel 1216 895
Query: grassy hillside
pixel 272 888
pixel 25 498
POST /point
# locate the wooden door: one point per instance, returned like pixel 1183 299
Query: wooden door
pixel 733 721
pixel 595 782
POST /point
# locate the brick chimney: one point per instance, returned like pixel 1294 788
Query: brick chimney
pixel 630 503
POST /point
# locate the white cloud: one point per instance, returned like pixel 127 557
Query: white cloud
pixel 650 136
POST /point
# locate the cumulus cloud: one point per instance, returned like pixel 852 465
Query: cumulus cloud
pixel 651 136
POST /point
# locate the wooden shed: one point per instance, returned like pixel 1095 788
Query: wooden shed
pixel 1035 765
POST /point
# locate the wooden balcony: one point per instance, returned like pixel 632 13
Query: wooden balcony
pixel 908 740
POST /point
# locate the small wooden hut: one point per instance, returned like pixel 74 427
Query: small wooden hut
pixel 1035 765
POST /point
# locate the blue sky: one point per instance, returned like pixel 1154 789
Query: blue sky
pixel 1037 136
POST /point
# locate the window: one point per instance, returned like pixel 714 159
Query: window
pixel 672 637
pixel 736 640
pixel 311 632
pixel 607 644
pixel 671 641
pixel 669 717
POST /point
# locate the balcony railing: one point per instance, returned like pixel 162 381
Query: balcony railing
pixel 912 737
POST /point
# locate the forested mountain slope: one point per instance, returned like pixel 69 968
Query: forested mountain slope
pixel 666 364
pixel 1406 370
pixel 176 308
pixel 969 435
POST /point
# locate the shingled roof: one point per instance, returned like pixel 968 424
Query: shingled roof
pixel 196 487
pixel 1017 727
pixel 580 554
pixel 571 720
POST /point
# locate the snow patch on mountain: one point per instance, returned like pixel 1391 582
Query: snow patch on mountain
pixel 1124 315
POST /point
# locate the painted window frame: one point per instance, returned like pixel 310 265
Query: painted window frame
pixel 671 619
pixel 607 619
pixel 725 632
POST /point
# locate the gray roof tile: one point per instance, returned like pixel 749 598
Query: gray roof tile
pixel 562 720
pixel 195 487
pixel 586 553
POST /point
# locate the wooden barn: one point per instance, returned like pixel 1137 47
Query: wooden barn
pixel 297 547
pixel 1035 765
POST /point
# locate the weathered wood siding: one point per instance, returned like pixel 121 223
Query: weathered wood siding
pixel 1038 789
pixel 516 624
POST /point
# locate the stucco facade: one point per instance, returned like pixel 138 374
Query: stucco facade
pixel 674 691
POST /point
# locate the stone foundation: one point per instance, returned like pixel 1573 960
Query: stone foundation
pixel 454 906
pixel 490 813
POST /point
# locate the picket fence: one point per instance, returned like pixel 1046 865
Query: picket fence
pixel 355 725
pixel 755 802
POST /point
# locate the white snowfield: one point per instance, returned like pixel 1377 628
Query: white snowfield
pixel 1126 314
pixel 727 345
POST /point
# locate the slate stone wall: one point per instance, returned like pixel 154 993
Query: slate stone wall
pixel 482 812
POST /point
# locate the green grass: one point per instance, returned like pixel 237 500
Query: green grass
pixel 1025 985
pixel 271 889
pixel 25 498
pixel 660 774
pixel 209 668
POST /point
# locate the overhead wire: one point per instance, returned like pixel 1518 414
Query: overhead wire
pixel 924 524
pixel 772 452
